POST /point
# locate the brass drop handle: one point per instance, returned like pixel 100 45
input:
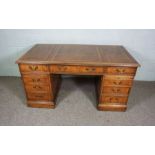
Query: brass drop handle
pixel 36 87
pixel 90 69
pixel 110 99
pixel 116 90
pixel 115 99
pixel 33 68
pixel 38 96
pixel 35 80
pixel 38 80
pixel 120 70
pixel 62 68
pixel 118 82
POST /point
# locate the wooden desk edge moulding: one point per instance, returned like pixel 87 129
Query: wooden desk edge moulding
pixel 41 68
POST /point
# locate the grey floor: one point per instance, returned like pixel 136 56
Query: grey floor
pixel 76 105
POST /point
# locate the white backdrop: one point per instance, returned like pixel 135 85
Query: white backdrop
pixel 140 43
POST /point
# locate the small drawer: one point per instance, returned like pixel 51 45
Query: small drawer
pixel 118 77
pixel 63 69
pixel 118 83
pixel 114 99
pixel 33 79
pixel 38 96
pixel 87 69
pixel 121 70
pixel 37 87
pixel 33 68
pixel 116 90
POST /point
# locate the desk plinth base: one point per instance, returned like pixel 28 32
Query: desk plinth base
pixel 103 107
pixel 44 104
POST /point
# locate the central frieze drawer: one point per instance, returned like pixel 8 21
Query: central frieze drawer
pixel 89 69
pixel 75 69
pixel 63 69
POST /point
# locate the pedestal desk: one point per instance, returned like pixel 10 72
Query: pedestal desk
pixel 41 68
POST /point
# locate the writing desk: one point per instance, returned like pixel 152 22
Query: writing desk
pixel 41 68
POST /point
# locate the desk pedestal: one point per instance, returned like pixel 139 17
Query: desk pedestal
pixel 42 83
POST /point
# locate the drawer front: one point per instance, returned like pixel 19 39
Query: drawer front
pixel 38 96
pixel 36 79
pixel 75 69
pixel 37 87
pixel 33 68
pixel 121 70
pixel 116 90
pixel 117 83
pixel 63 69
pixel 118 77
pixel 90 70
pixel 114 99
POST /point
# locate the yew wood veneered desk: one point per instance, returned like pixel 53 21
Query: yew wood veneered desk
pixel 41 68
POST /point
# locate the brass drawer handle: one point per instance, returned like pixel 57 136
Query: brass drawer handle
pixel 37 87
pixel 120 70
pixel 115 99
pixel 33 68
pixel 62 68
pixel 118 82
pixel 35 80
pixel 39 96
pixel 116 90
pixel 90 69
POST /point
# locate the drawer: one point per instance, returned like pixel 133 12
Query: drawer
pixel 37 87
pixel 118 83
pixel 114 99
pixel 33 79
pixel 75 69
pixel 121 70
pixel 118 77
pixel 116 90
pixel 88 69
pixel 39 96
pixel 33 68
pixel 63 69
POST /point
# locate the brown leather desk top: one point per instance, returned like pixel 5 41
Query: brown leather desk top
pixel 96 55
